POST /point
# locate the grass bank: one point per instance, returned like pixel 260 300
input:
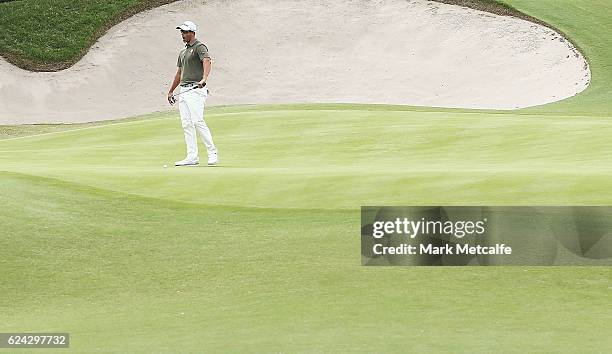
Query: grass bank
pixel 50 35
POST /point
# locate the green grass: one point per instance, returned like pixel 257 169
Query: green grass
pixel 15 131
pixel 339 159
pixel 262 253
pixel 45 35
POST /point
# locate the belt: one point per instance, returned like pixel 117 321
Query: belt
pixel 190 84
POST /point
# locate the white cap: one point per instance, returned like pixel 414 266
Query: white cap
pixel 187 26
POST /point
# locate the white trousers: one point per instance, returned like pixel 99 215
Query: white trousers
pixel 191 108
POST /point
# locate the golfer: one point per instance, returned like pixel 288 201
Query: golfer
pixel 194 65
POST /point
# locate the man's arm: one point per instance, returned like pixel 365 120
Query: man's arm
pixel 175 83
pixel 207 66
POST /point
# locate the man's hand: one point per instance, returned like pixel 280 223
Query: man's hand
pixel 171 98
pixel 201 83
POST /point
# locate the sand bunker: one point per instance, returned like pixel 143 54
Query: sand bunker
pixel 394 51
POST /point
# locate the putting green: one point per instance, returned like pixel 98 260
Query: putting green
pixel 337 158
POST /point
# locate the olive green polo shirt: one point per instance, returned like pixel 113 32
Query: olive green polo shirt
pixel 190 62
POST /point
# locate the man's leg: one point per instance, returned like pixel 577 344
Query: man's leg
pixel 197 115
pixel 189 129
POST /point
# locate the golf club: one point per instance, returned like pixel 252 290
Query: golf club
pixel 180 93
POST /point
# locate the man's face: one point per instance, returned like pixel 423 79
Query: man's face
pixel 187 36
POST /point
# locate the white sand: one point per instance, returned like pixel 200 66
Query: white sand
pixel 394 51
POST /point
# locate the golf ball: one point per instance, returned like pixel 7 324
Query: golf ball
pixel 165 166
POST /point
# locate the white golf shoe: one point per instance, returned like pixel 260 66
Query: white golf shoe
pixel 187 162
pixel 212 158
